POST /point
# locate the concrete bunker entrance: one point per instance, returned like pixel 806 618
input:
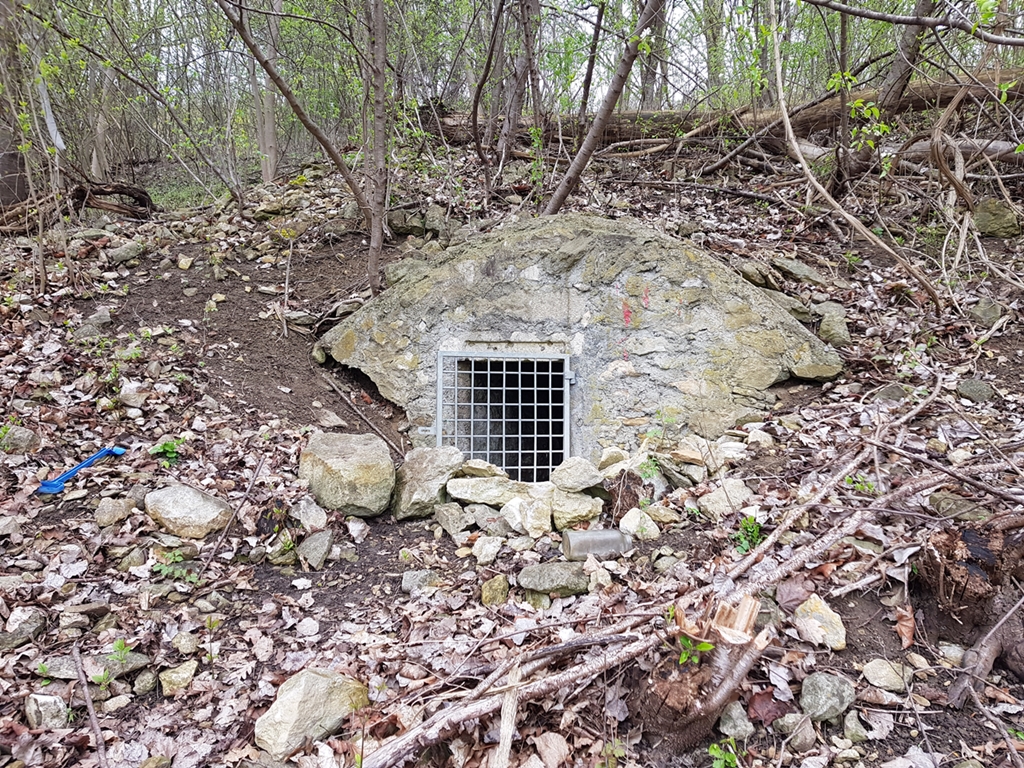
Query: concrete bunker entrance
pixel 510 410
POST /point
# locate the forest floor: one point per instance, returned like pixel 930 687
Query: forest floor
pixel 223 400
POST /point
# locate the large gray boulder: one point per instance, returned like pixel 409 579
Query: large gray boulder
pixel 656 328
pixel 310 706
pixel 350 473
pixel 186 511
pixel 420 481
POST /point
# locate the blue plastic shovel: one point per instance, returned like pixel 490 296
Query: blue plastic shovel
pixel 57 484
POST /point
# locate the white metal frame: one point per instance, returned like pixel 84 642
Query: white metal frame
pixel 509 409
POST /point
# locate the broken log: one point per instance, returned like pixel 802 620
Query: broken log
pixel 974 571
pixel 29 215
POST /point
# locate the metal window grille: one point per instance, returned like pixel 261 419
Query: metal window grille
pixel 509 410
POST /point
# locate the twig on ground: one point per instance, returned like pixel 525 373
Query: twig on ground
pixel 963 478
pixel 238 508
pixel 358 413
pixel 94 725
pixel 1011 748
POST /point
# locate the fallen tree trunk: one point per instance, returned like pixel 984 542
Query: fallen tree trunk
pixel 28 216
pixel 670 125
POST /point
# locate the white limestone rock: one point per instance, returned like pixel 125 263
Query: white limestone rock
pixel 420 481
pixel 349 473
pixel 188 512
pixel 310 706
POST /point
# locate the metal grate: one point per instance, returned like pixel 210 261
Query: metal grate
pixel 508 410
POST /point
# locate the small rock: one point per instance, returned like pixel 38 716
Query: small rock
pixel 794 306
pixel 186 511
pixel 115 703
pixel 309 706
pixel 994 218
pixel 45 711
pixel 421 480
pixel 947 504
pixel 760 438
pixel 488 520
pixel 486 549
pixel 494 591
pixel 639 524
pixel 413 581
pixel 731 496
pixel 145 682
pixel 25 623
pixel 600 580
pixel 480 468
pixel 555 578
pixel 571 509
pixel 610 456
pixel 893 392
pixel 825 696
pixel 833 327
pixel 853 728
pixel 985 312
pixel 734 721
pixel 310 515
pixel 887 675
pixel 453 518
pixel 17 439
pixel 315 548
pixel 974 390
pixel 575 474
pixel 952 653
pixel 186 643
pixel 178 679
pixel 803 737
pixel 127 252
pixel 815 612
pixel 493 490
pixel 959 456
pixel 111 511
pixel 799 271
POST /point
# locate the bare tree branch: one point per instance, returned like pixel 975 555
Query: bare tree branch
pixel 933 22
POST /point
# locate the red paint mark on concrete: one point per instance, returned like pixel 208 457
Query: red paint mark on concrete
pixel 627 313
pixel 646 298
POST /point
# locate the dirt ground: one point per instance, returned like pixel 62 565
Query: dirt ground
pixel 244 358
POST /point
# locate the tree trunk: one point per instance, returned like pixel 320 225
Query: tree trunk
pixel 99 161
pixel 713 29
pixel 510 127
pixel 589 76
pixel 572 176
pixel 651 96
pixel 907 54
pixel 268 129
pixel 378 175
pixel 13 177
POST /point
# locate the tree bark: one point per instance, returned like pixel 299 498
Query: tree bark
pixel 379 175
pixel 590 143
pixel 712 27
pixel 13 177
pixel 588 78
pixel 907 54
pixel 651 95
